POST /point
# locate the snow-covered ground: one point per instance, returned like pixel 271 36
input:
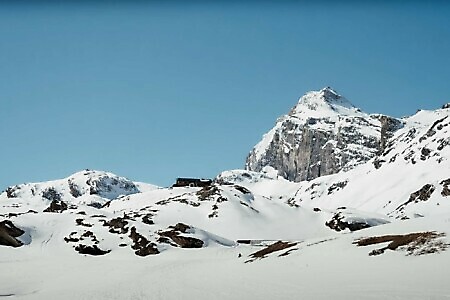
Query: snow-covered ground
pixel 321 268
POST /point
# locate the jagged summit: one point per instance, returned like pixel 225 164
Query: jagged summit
pixel 333 98
pixel 322 134
pixel 325 102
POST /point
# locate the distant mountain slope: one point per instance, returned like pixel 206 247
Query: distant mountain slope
pixel 410 178
pixel 323 134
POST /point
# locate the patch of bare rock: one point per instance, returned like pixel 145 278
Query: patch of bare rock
pixel 56 206
pixel 91 250
pixel 418 243
pixel 9 234
pixel 141 244
pixel 338 223
pixel 173 236
pixel 277 246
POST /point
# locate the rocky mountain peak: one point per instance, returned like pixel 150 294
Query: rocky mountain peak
pixel 323 134
pixel 323 103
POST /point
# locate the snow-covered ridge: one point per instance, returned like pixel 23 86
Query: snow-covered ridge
pixel 82 186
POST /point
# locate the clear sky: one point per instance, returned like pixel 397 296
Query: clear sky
pixel 152 91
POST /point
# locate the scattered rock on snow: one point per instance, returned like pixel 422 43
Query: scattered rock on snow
pixel 418 243
pixel 421 195
pixel 57 206
pixel 337 223
pixel 91 250
pixel 445 187
pixel 117 225
pixel 51 194
pixel 277 246
pixel 9 233
pixel 141 244
pixel 337 186
pixel 182 241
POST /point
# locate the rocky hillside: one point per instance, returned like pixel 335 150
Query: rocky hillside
pixel 323 134
pixel 409 178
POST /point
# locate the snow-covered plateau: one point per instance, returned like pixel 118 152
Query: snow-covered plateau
pixel 334 204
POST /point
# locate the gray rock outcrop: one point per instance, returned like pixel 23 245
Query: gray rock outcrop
pixel 323 134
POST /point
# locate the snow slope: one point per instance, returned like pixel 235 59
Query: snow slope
pixel 323 268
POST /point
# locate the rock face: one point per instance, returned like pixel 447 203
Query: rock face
pixel 323 134
pixel 9 233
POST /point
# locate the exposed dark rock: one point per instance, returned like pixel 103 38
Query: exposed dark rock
pixel 182 241
pixel 10 215
pixel 51 194
pixel 445 187
pixel 336 223
pixel 91 250
pixel 142 246
pixel 432 130
pixel 91 235
pixel 181 227
pixel 292 202
pixel 278 246
pixel 213 214
pixel 9 233
pixel 57 206
pixel 11 192
pixel 107 204
pixel 98 216
pixel 246 205
pixel 337 186
pixel 388 127
pixel 207 192
pixel 71 239
pixel 425 153
pixel 95 205
pixel 393 158
pixel 74 189
pixel 419 243
pixel 104 185
pixel 377 162
pixel 179 199
pixel 80 222
pixel 443 143
pixel 242 189
pixel 147 219
pixel 117 223
pixel 421 195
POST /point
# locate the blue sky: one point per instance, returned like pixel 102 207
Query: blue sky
pixel 153 91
